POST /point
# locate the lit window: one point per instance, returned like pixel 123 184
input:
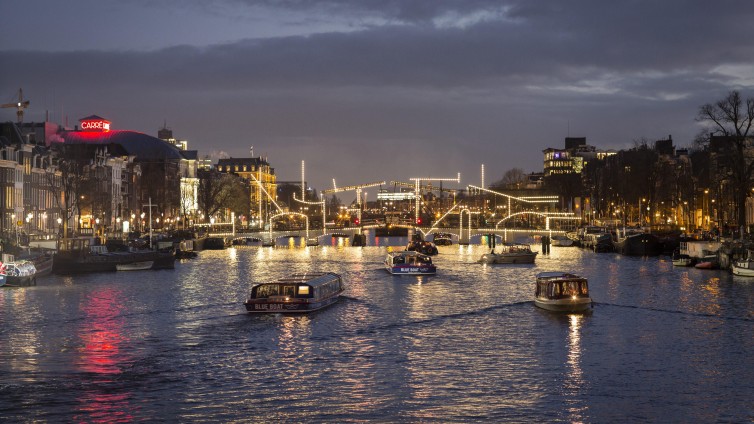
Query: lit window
pixel 303 290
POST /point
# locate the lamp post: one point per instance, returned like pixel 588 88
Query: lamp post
pixel 705 205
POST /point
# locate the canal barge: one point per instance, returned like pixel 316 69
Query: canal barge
pixel 562 292
pixel 409 262
pixel 296 293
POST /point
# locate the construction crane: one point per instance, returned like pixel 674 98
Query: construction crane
pixel 357 188
pixel 20 106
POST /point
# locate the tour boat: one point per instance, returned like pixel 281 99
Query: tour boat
pixel 17 274
pixel 296 293
pixel 562 292
pixel 511 253
pixel 134 266
pixel 442 239
pixel 409 262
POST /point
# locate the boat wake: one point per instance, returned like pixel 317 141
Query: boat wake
pixel 671 311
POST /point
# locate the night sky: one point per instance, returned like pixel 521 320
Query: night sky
pixel 366 90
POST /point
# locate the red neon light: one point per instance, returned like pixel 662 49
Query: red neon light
pixel 99 125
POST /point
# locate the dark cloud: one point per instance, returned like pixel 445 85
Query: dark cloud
pixel 462 82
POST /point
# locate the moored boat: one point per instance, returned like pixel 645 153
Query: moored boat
pixel 743 268
pixel 510 253
pixel 78 256
pixel 17 274
pixel 409 262
pixel 562 292
pixel 640 244
pixel 681 259
pixel 561 240
pixel 296 293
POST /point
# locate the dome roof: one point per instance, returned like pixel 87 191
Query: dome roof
pixel 134 143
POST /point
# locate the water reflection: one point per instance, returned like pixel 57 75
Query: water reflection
pixel 102 357
pixel 574 382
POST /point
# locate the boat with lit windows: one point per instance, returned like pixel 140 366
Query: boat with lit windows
pixel 409 262
pixel 562 292
pixel 510 253
pixel 442 239
pixel 19 273
pixel 296 293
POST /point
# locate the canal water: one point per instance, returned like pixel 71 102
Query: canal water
pixel 662 344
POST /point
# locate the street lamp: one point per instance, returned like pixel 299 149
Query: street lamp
pixel 705 216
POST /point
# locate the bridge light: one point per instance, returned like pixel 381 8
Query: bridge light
pixel 418 221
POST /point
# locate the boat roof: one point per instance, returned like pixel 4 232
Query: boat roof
pixel 558 275
pixel 309 278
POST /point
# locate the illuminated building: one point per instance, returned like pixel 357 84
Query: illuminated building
pixel 261 176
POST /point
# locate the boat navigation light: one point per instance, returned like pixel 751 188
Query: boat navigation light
pixel 573 297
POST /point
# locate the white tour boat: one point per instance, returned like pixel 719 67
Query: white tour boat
pixel 562 292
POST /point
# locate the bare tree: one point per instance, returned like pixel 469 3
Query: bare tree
pixel 731 119
pixel 214 190
pixel 512 179
pixel 72 166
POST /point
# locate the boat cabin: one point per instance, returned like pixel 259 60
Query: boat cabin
pixel 296 293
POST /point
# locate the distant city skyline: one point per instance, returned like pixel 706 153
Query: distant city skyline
pixel 366 90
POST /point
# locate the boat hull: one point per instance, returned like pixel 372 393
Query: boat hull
pixel 135 266
pixel 564 305
pixel 18 281
pixel 264 307
pixel 65 263
pixel 640 245
pixel 508 258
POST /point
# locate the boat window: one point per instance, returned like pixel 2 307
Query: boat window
pixel 267 290
pixel 289 291
pixel 303 290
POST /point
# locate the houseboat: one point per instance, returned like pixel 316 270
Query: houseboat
pixel 296 293
pixel 79 255
pixel 409 262
pixel 562 292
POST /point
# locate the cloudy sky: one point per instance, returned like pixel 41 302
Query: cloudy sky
pixel 369 90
